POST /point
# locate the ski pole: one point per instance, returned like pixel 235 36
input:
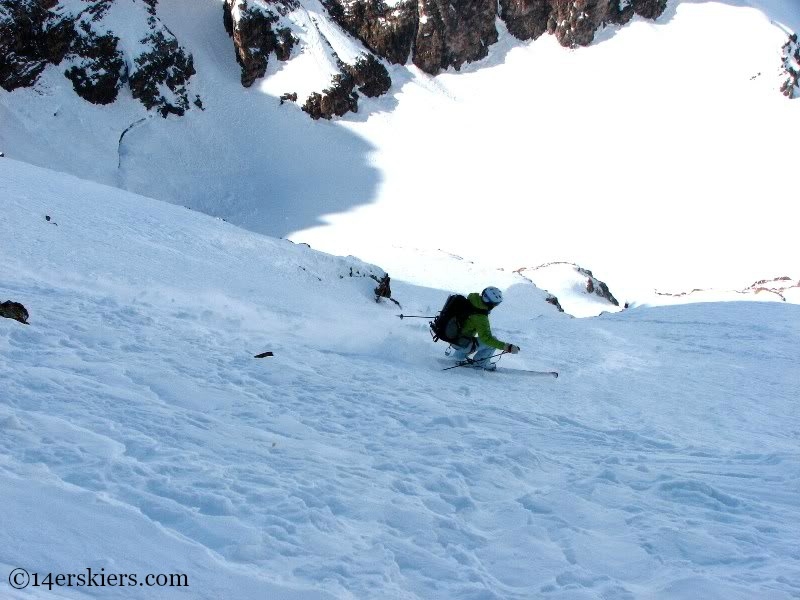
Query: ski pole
pixel 414 317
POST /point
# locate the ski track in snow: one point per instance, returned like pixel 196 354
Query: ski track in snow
pixel 663 463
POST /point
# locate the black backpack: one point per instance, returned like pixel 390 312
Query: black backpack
pixel 455 312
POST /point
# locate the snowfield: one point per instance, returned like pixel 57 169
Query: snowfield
pixel 661 157
pixel 139 435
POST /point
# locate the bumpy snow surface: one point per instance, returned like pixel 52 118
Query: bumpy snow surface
pixel 138 435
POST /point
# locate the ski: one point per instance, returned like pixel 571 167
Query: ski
pixel 471 363
pixel 553 374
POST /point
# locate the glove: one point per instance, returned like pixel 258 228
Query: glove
pixel 512 348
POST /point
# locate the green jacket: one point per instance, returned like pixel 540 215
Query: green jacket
pixel 478 325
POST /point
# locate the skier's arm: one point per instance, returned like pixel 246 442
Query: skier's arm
pixel 484 331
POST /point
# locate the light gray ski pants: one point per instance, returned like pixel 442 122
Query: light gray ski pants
pixel 482 352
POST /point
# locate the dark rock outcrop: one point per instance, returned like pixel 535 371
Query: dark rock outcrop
pixel 37 33
pixel 439 34
pixel 384 289
pixel 256 33
pixel 433 34
pixel 164 65
pixel 453 32
pixel 597 287
pixel 574 22
pixel 526 19
pixel 14 310
pixel 339 99
pixel 370 76
pixel 649 9
pixel 98 71
pixel 260 29
pixel 31 37
pixel 554 301
pixel 571 276
pixel 791 65
pixel 388 32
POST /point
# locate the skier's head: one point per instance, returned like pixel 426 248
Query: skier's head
pixel 492 296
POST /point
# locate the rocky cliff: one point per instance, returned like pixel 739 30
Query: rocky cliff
pixel 791 66
pixel 778 287
pixel 576 284
pixel 84 40
pixel 103 45
pixel 436 35
pixel 257 31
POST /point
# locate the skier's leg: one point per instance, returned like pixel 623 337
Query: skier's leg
pixel 483 355
pixel 460 352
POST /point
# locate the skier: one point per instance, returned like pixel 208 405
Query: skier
pixel 476 333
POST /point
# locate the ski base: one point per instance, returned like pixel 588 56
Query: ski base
pixel 553 374
pixel 472 364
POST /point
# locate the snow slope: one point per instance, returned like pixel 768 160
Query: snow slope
pixel 244 157
pixel 140 436
pixel 660 157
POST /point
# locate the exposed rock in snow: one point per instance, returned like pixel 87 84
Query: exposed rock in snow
pixel 597 287
pixel 257 31
pixel 105 45
pixel 574 22
pixel 453 32
pixel 434 33
pixel 339 99
pixel 572 289
pixel 438 35
pixel 791 65
pixel 370 76
pixel 259 28
pixel 554 301
pixel 14 310
pixel 526 19
pixel 31 37
pixel 165 64
pixel 97 70
pixel 780 286
pixel 649 9
pixel 388 31
pixel 777 288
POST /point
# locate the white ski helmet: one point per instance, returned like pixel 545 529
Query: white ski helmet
pixel 492 296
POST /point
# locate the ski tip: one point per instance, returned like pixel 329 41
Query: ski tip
pixel 554 374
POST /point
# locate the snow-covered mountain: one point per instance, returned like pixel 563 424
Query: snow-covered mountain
pixel 99 45
pixel 108 43
pixel 659 157
pixel 201 397
pixel 140 436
